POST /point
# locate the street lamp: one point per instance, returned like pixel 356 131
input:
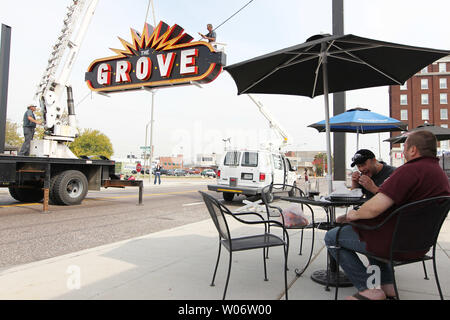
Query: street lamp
pixel 225 143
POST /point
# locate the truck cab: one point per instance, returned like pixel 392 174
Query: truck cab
pixel 248 172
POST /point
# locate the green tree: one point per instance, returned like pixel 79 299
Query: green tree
pixel 320 162
pixel 92 142
pixel 12 137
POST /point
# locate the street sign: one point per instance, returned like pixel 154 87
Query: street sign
pixel 138 167
pixel 145 148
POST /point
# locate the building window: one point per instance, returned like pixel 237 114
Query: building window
pixel 442 67
pixel 444 114
pixel 404 86
pixel 423 83
pixel 425 114
pixel 424 70
pixel 443 83
pixel 403 114
pixel 403 99
pixel 443 98
pixel 424 98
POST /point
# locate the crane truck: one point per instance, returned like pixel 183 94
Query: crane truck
pixel 52 172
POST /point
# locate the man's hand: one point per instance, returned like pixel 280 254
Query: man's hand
pixel 355 178
pixel 202 35
pixel 342 219
pixel 368 184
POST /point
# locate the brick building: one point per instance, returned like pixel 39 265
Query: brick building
pixel 422 98
pixel 171 162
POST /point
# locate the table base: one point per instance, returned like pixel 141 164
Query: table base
pixel 320 276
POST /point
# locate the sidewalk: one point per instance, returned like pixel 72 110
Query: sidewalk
pixel 179 263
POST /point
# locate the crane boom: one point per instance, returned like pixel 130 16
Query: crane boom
pixel 272 123
pixel 51 87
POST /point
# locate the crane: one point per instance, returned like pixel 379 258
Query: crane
pixel 53 83
pixel 272 123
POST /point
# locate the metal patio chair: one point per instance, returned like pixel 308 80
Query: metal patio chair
pixel 271 194
pixel 219 214
pixel 416 229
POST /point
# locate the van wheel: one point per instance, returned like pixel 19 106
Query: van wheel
pixel 228 196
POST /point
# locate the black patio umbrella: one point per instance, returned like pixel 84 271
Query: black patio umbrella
pixel 326 64
pixel 439 132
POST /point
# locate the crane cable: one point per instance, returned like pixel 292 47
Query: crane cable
pixel 232 15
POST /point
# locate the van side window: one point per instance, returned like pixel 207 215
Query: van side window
pixel 249 159
pixel 277 162
pixel 232 158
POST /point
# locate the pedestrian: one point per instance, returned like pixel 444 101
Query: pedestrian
pixel 306 174
pixel 421 177
pixel 211 35
pixel 29 126
pixel 157 174
pixel 371 172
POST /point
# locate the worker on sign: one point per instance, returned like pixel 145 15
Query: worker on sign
pixel 211 35
pixel 29 126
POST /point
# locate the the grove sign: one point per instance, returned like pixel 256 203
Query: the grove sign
pixel 160 57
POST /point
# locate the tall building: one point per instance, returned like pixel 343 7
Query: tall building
pixel 422 98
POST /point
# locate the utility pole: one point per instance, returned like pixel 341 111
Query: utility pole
pixel 338 100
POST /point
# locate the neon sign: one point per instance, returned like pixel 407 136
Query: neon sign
pixel 160 57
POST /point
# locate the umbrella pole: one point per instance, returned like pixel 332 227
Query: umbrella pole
pixel 327 118
pixel 357 139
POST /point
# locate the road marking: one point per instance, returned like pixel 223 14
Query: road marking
pixel 192 204
pixel 103 198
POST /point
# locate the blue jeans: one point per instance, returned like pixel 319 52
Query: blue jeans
pixel 157 175
pixel 349 261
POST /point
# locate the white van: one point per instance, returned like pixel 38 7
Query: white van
pixel 248 172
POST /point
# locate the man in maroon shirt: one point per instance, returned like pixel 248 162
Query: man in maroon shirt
pixel 419 178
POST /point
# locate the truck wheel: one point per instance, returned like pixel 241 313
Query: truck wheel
pixel 70 187
pixel 27 194
pixel 228 196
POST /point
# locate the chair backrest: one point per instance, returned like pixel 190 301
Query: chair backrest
pixel 418 224
pixel 216 211
pixel 274 191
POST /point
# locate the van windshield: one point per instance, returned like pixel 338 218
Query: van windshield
pixel 232 158
pixel 250 159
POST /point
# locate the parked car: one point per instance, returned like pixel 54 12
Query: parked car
pixel 170 172
pixel 179 172
pixel 192 171
pixel 208 173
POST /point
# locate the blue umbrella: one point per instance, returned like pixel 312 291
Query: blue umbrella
pixel 360 120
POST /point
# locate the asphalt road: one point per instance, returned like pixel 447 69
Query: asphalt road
pixel 27 234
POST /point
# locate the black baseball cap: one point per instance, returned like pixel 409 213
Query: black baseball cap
pixel 362 156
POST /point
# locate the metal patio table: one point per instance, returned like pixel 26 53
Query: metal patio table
pixel 322 276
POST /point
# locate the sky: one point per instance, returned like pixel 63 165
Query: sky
pixel 193 120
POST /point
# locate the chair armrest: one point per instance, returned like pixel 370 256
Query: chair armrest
pixel 245 213
pixel 274 207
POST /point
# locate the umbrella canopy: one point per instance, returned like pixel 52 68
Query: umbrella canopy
pixel 439 132
pixel 360 120
pixel 326 64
